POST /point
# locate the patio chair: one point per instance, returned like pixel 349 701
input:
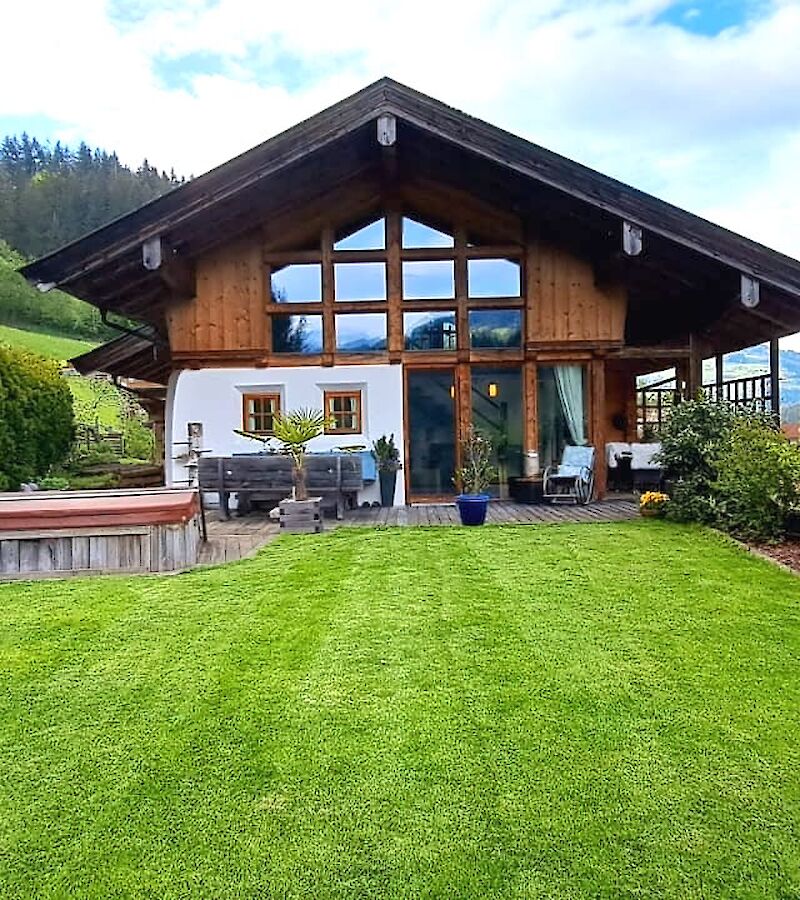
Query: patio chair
pixel 573 479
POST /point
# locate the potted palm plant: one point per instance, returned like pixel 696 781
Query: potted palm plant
pixel 387 459
pixel 294 430
pixel 473 477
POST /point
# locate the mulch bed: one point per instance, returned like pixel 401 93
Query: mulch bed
pixel 787 552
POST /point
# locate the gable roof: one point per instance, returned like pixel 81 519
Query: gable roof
pixel 105 267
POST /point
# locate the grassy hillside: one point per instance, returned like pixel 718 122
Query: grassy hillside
pixel 22 306
pixel 48 345
pixel 97 402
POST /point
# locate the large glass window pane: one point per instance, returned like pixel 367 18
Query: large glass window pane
pixel 360 332
pixel 430 331
pixel 370 237
pixel 433 280
pixel 497 412
pixel 297 334
pixel 417 235
pixel 360 281
pixel 301 283
pixel 431 431
pixel 562 410
pixel 495 328
pixel 493 278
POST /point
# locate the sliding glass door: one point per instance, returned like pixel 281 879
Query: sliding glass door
pixel 497 412
pixel 562 410
pixel 431 418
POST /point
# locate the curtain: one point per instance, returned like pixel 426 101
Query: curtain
pixel 569 380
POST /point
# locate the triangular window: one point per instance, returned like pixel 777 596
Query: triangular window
pixel 368 237
pixel 416 235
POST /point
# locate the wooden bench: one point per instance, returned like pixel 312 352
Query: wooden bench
pixel 335 476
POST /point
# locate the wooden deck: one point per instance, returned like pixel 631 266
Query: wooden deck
pixel 232 539
pixel 499 513
pixel 238 538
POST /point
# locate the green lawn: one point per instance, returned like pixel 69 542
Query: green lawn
pixel 582 711
pixel 49 345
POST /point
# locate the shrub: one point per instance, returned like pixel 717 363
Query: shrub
pixel 758 481
pixel 139 442
pixel 36 420
pixel 54 483
pixel 476 472
pixel 93 482
pixel 691 442
pixel 97 455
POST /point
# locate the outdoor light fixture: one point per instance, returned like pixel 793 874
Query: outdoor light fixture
pixel 493 391
pixel 453 391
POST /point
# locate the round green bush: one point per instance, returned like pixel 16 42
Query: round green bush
pixel 758 482
pixel 36 421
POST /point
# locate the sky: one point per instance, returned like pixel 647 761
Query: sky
pixel 695 102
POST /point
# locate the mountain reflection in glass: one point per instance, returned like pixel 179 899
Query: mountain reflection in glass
pixel 495 328
pixel 297 334
pixel 361 332
pixel 430 331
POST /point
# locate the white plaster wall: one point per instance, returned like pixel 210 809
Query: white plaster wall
pixel 214 397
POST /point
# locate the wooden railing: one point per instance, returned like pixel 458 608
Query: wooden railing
pixel 654 402
pixel 87 437
pixel 754 392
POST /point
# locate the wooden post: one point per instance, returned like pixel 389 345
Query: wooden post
pixel 461 292
pixel 598 430
pixel 531 425
pixel 394 277
pixel 694 379
pixel 775 378
pixel 328 298
pixel 719 375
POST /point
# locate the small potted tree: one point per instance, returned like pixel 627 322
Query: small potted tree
pixel 294 430
pixel 474 477
pixel 387 459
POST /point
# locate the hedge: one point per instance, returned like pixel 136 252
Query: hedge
pixel 36 420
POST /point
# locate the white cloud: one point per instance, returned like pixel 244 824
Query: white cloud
pixel 712 124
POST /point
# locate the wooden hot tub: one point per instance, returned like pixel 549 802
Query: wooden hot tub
pixel 74 532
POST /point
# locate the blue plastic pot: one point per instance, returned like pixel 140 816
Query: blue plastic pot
pixel 472 508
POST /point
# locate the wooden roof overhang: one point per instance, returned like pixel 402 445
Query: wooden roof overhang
pixel 687 278
pixel 140 356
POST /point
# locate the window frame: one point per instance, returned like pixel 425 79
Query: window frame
pixel 395 259
pixel 259 395
pixel 357 413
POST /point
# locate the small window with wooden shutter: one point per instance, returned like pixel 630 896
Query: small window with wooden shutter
pixel 344 410
pixel 259 411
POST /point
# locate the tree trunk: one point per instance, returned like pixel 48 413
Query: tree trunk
pixel 300 488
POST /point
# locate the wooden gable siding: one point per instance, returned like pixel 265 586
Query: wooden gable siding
pixel 227 313
pixel 564 305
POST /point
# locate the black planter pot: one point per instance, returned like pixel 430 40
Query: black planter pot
pixel 388 481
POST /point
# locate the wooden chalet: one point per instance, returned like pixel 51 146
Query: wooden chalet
pixel 414 270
